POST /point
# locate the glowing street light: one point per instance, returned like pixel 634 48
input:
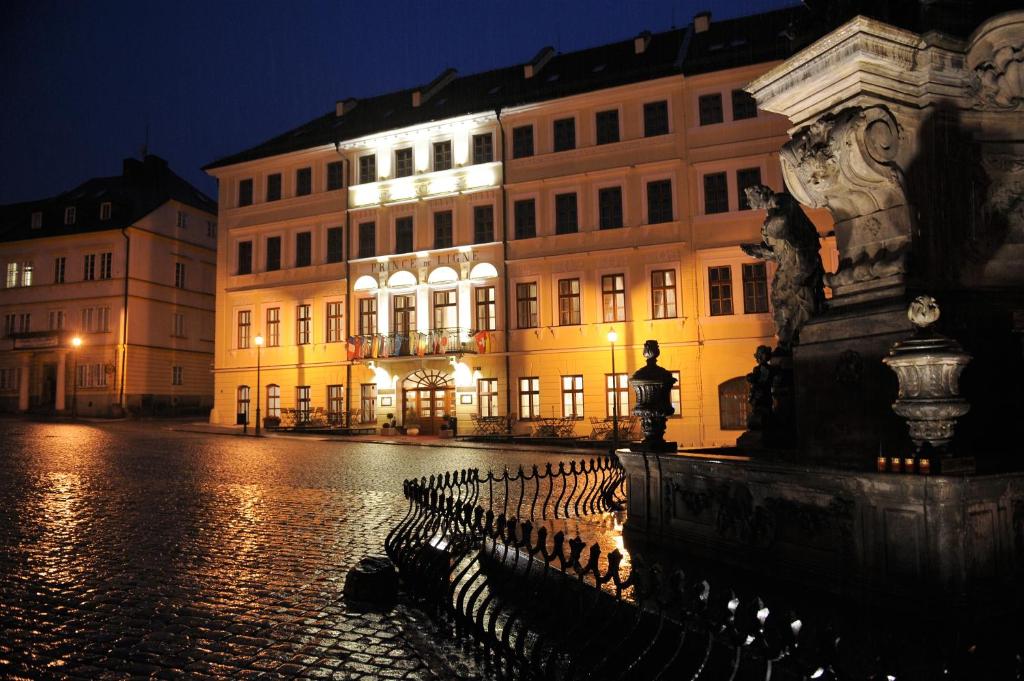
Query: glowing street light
pixel 258 340
pixel 76 343
pixel 612 337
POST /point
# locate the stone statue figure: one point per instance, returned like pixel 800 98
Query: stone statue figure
pixel 791 240
pixel 760 380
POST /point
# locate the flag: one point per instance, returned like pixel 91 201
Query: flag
pixel 350 347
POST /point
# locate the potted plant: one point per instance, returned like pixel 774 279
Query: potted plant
pixel 271 422
pixel 446 430
pixel 389 427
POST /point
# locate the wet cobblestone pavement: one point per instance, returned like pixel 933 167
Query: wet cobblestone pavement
pixel 131 550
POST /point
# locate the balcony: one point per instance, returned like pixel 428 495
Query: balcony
pixel 437 343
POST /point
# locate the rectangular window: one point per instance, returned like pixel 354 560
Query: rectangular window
pixel 59 266
pixel 24 322
pixel 335 402
pixel 88 268
pixel 675 395
pixel 245 257
pixel 302 324
pixel 522 141
pixel 367 316
pixel 483 148
pixel 720 290
pixel 334 320
pixel 106 263
pixel 245 192
pixel 443 155
pixel 334 175
pixel 485 308
pixel 182 219
pixel 303 249
pixel 274 187
pixel 659 202
pixel 526 305
pixel 37 217
pixel 176 375
pixel 655 118
pixel 483 224
pixel 179 275
pixel 91 376
pixel 526 219
pixel 609 204
pixel 273 327
pixel 367 168
pixel 243 402
pixel 443 229
pixel 9 378
pixel 13 272
pixel 9 321
pixel 104 211
pixel 303 181
pixel 613 297
pixel 70 215
pixel 746 178
pixel 755 288
pixel 403 315
pixel 26 273
pixel 487 396
pixel 445 310
pixel 403 162
pixel 565 134
pixel 607 126
pixel 566 221
pixel 403 235
pixel 303 403
pixel 178 325
pixel 335 243
pixel 710 108
pixel 616 388
pixel 568 302
pixel 274 400
pixel 244 324
pixel 273 253
pixel 572 397
pixel 529 397
pixel 211 229
pixel 743 105
pixel 663 294
pixel 57 320
pixel 367 239
pixel 716 193
pixel 96 319
pixel 368 402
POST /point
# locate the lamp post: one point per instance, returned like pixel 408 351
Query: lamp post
pixel 76 343
pixel 612 337
pixel 258 340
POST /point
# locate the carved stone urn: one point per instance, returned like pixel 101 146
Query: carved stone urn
pixel 928 366
pixel 652 386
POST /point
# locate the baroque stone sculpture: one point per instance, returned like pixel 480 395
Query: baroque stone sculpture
pixel 791 240
pixel 760 380
pixel 652 386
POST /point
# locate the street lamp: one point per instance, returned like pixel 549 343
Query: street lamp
pixel 76 343
pixel 258 340
pixel 612 337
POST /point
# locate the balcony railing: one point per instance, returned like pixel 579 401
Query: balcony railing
pixel 414 344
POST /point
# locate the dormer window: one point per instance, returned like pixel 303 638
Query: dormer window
pixel 105 210
pixel 37 220
pixel 69 215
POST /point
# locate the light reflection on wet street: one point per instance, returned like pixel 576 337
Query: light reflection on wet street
pixel 132 549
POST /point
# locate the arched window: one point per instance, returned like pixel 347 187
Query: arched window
pixel 243 401
pixel 274 400
pixel 365 283
pixel 402 279
pixel 483 270
pixel 443 275
pixel 733 407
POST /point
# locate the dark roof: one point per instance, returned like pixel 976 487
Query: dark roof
pixel 142 187
pixel 668 53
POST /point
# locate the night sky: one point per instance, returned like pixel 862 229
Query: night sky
pixel 80 81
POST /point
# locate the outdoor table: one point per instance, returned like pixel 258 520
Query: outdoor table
pixel 547 427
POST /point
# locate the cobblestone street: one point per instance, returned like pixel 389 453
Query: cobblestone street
pixel 130 549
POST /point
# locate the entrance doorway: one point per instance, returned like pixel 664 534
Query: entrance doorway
pixel 48 388
pixel 429 396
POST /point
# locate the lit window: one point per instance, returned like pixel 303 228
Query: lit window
pixel 617 392
pixel 675 395
pixel 755 288
pixel 487 396
pixel 303 403
pixel 613 297
pixel 273 327
pixel 568 302
pixel 663 294
pixel 244 325
pixel 720 290
pixel 274 400
pixel 529 397
pixel 334 319
pixel 572 397
pixel 242 403
pixel 526 305
pixel 733 406
pixel 302 320
pixel 445 310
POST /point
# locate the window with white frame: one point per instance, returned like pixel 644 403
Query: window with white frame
pixel 303 403
pixel 57 320
pixel 572 397
pixel 24 322
pixel 242 402
pixel 182 219
pixel 443 155
pixel 303 320
pixel 334 319
pixel 529 397
pixel 59 268
pixel 485 308
pixel 675 395
pixel 273 327
pixel 487 396
pixel 177 374
pixel 274 400
pixel 89 267
pixel 106 265
pixel 244 327
pixel 10 321
pixel 179 275
pixel 178 324
pixel 13 271
pixel 617 391
pixel 613 297
pixel 663 294
pixel 26 274
pixel 92 375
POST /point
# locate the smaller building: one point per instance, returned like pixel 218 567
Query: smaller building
pixel 108 297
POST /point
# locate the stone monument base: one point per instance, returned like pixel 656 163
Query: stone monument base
pixel 957 539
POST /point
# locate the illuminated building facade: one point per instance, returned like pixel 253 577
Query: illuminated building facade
pixel 125 264
pixel 497 227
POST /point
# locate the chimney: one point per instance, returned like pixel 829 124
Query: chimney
pixel 701 22
pixel 343 106
pixel 537 63
pixel 641 42
pixel 421 96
